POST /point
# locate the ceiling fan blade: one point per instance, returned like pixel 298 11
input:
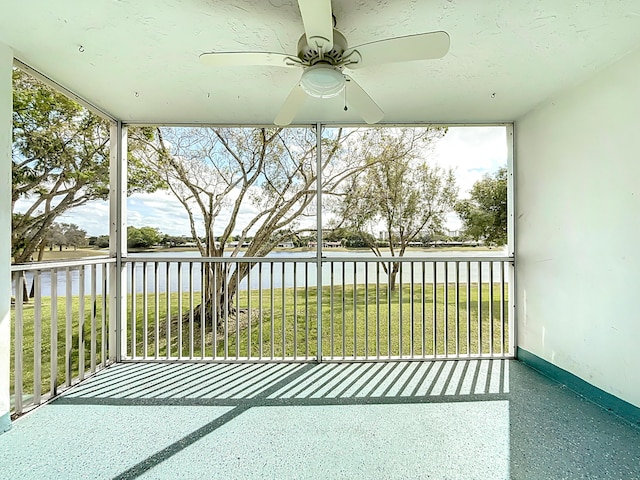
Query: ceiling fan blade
pixel 232 59
pixel 318 23
pixel 423 46
pixel 362 103
pixel 290 106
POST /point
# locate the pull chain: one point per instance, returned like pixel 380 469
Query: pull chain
pixel 345 96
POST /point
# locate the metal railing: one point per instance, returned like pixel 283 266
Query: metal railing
pixel 266 309
pixel 254 309
pixel 59 327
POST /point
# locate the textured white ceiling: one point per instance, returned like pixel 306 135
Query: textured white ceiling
pixel 138 59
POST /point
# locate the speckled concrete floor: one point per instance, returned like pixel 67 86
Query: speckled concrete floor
pixel 439 420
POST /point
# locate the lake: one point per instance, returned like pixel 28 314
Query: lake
pixel 279 273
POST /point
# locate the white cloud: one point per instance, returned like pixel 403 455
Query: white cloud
pixel 472 152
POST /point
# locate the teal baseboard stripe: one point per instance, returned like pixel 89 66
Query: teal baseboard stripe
pixel 592 393
pixel 5 422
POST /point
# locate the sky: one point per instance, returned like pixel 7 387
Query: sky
pixel 471 151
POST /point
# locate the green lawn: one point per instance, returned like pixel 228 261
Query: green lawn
pixel 392 324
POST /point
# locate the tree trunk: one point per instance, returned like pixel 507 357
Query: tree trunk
pixel 25 292
pixel 218 296
pixel 393 275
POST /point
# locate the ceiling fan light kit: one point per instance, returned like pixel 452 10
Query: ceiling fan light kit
pixel 323 54
pixel 322 81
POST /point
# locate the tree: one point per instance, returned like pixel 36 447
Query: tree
pixel 273 170
pixel 102 241
pixel 60 161
pixel 398 193
pixel 74 236
pixel 484 214
pixel 143 237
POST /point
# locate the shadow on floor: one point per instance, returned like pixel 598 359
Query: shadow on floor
pixel 445 419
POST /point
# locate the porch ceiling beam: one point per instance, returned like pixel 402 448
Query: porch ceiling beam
pixel 60 88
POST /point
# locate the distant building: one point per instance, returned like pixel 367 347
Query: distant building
pixel 332 244
pixel 286 244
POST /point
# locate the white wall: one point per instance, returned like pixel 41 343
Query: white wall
pixel 578 230
pixel 6 63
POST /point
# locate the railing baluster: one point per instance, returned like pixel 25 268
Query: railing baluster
pixel 468 307
pixel 81 324
pixel 366 310
pixel 179 325
pixel 272 293
pixel 260 310
pixel 400 310
pixel 479 308
pixel 355 316
pixel 295 309
pixel 68 344
pixel 503 347
pixel 423 295
pixel 225 302
pixel 53 388
pixel 284 313
pixel 435 307
pixel 18 341
pixel 238 270
pixel 37 338
pixel 378 310
pixel 344 341
pixel 203 307
pixel 215 309
pixel 249 316
pixel 306 310
pixel 491 308
pixel 331 314
pixel 446 308
pixel 457 308
pixel 134 310
pixel 105 336
pixel 411 309
pixel 191 312
pixel 156 286
pixel 167 289
pixel 389 344
pixel 94 326
pixel 145 313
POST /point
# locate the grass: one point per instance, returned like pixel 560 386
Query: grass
pixel 77 355
pixel 282 324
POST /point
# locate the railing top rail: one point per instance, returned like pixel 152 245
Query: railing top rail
pixel 160 259
pixel 386 259
pixel 48 265
pixel 341 259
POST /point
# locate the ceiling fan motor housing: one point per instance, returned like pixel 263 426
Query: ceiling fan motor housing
pixel 310 55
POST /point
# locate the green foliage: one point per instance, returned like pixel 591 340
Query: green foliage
pixel 65 235
pixel 102 241
pixel 484 215
pixel 173 240
pixel 60 159
pixel 399 194
pixel 143 237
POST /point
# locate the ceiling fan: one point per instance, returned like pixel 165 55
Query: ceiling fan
pixel 323 54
